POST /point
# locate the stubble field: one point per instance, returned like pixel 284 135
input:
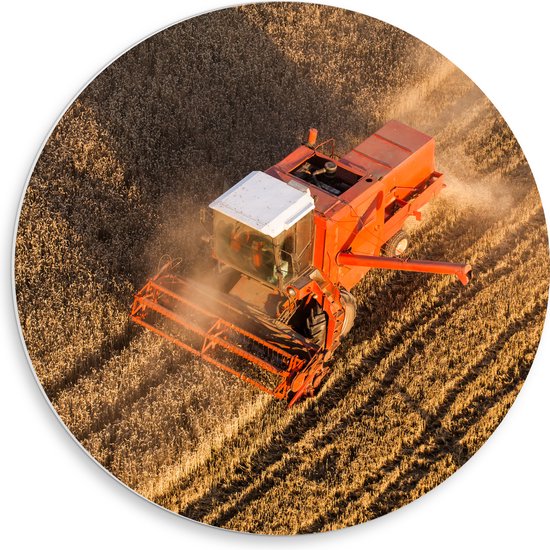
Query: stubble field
pixel 430 368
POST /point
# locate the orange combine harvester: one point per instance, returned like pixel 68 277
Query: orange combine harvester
pixel 289 244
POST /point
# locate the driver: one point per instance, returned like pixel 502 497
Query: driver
pixel 256 251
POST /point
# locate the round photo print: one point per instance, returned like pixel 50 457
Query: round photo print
pixel 281 268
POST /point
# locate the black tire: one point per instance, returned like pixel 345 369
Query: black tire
pixel 397 245
pixel 316 324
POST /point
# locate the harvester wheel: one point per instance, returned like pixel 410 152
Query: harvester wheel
pixel 316 324
pixel 397 245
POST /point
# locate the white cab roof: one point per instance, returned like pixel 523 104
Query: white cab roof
pixel 265 203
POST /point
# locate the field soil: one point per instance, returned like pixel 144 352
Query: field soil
pixel 430 368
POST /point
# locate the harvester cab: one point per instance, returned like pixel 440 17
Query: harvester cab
pixel 290 243
pixel 263 228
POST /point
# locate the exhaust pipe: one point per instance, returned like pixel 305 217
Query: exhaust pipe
pixel 312 137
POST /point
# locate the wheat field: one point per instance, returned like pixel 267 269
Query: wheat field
pixel 430 368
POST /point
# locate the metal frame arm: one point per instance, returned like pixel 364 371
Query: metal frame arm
pixel 462 271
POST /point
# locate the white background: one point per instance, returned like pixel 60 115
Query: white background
pixel 52 494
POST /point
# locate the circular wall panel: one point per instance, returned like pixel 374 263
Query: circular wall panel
pixel 176 372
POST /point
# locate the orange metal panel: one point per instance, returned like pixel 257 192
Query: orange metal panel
pixel 402 135
pixel 393 164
